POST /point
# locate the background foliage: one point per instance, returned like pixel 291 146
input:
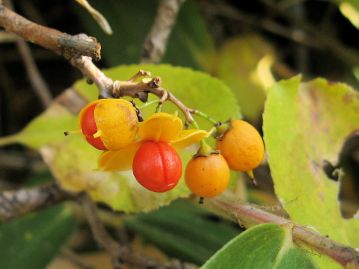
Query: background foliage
pixel 248 45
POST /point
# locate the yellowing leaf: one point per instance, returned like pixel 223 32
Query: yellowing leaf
pixel 305 124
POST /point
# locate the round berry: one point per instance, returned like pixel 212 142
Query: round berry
pixel 207 176
pixel 109 124
pixel 157 166
pixel 242 146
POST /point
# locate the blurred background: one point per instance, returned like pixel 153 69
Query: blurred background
pixel 247 44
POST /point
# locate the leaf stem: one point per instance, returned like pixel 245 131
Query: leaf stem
pixel 211 132
pixel 195 124
pixel 204 116
pixel 147 104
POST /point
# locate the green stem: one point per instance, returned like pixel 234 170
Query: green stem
pixel 195 124
pixel 149 103
pixel 204 149
pixel 211 132
pixel 5 140
pixel 205 116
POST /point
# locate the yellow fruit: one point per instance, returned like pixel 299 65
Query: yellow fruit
pixel 242 146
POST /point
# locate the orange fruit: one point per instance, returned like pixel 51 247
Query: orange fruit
pixel 242 146
pixel 207 176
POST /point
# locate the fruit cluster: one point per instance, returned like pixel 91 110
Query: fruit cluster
pixel 150 147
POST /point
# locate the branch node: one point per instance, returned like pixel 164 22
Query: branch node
pixel 155 82
pixel 116 89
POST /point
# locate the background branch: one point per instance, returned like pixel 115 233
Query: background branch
pixel 249 215
pixel 304 34
pixel 120 253
pixel 16 203
pixel 100 233
pixel 155 44
pixel 37 82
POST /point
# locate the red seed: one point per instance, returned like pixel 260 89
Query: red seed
pixel 157 166
pixel 89 128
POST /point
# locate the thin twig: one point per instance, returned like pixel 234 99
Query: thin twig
pixel 37 82
pixel 324 41
pixel 115 89
pixel 72 257
pixel 118 253
pixel 7 37
pixel 20 160
pixel 228 11
pixel 16 203
pixel 155 44
pixel 100 233
pixel 61 43
pixel 249 215
pixel 305 34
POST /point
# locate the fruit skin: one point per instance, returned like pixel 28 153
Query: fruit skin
pixel 113 122
pixel 242 146
pixel 157 166
pixel 89 128
pixel 207 176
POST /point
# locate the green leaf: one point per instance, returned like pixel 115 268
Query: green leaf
pixel 305 124
pixel 244 64
pixel 350 10
pixel 190 43
pixel 48 128
pixel 183 230
pixel 32 241
pixel 263 246
pixel 74 162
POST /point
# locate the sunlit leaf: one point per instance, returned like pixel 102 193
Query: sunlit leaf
pixel 305 124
